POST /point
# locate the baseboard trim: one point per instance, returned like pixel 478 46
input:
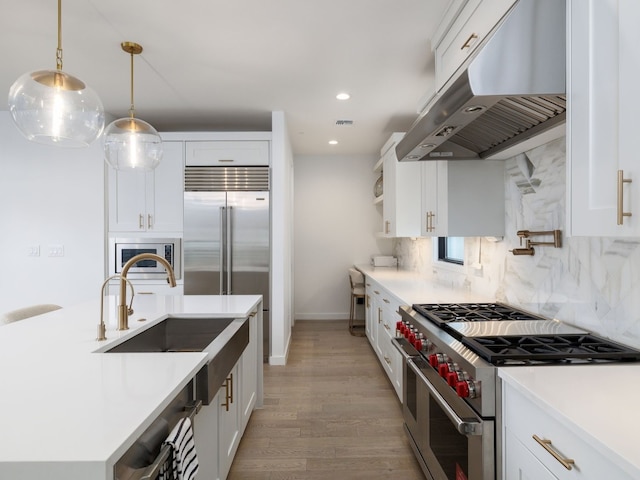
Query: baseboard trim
pixel 323 316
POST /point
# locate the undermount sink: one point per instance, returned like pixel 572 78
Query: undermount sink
pixel 224 338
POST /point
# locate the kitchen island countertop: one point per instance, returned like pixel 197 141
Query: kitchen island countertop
pixel 68 412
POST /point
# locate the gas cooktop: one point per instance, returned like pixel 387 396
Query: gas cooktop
pixel 442 313
pixel 532 349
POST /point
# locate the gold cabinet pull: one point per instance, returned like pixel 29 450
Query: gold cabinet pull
pixel 150 221
pixel 226 395
pixel 228 392
pixel 621 182
pixel 368 301
pixel 376 292
pixel 548 446
pixel 387 225
pixel 379 315
pixel 385 300
pixel 387 359
pixel 387 326
pixel 141 221
pixel 430 227
pixel 470 41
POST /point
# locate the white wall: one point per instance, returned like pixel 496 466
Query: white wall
pixel 335 225
pixel 281 240
pixel 49 196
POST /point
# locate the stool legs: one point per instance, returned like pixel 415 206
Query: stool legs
pixel 352 314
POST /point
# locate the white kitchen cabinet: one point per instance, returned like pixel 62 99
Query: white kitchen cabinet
pixel 525 458
pixel 463 198
pixel 221 424
pixel 602 74
pixel 465 26
pixel 248 373
pixel 227 153
pixel 401 187
pixel 381 320
pixel 390 358
pixel 149 201
pixel 370 312
pixel 521 463
pixel 229 422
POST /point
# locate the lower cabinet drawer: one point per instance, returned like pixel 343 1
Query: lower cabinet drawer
pixel 553 443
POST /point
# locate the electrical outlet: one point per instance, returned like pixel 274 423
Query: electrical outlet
pixel 56 250
pixel 33 251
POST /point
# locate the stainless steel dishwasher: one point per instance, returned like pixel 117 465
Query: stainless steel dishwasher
pixel 143 460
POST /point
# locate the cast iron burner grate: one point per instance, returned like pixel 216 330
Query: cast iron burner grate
pixel 573 348
pixel 443 313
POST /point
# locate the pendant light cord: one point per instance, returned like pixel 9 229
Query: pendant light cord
pixel 131 108
pixel 59 49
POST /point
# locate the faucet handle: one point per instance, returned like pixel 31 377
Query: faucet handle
pixel 523 234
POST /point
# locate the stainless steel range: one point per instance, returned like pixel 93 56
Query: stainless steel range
pixel 451 395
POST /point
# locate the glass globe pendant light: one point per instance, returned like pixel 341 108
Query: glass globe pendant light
pixel 55 108
pixel 131 143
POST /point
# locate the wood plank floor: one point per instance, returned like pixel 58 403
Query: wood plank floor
pixel 330 413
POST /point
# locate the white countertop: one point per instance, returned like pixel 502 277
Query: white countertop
pixel 410 287
pixel 68 412
pixel 596 402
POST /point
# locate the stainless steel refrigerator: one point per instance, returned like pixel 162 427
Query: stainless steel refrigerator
pixel 227 234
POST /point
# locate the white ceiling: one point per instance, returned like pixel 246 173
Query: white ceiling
pixel 225 65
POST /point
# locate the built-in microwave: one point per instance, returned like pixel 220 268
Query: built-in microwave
pixel 121 250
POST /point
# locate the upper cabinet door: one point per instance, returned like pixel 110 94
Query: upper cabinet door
pixel 151 201
pixel 603 171
pixel 401 206
pixel 464 27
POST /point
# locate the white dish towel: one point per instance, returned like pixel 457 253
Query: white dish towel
pixel 183 462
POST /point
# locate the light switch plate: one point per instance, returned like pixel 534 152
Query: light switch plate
pixel 56 250
pixel 33 251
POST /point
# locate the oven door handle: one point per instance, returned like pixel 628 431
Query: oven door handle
pixel 397 342
pixel 463 427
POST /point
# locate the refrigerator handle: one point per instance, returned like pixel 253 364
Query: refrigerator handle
pixel 223 224
pixel 229 248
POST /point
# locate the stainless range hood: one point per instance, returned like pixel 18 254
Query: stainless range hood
pixel 511 90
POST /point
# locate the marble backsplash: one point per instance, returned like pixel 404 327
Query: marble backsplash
pixel 591 282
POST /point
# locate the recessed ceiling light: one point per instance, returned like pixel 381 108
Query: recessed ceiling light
pixel 343 96
pixel 333 142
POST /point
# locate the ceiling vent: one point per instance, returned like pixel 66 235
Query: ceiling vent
pixel 344 123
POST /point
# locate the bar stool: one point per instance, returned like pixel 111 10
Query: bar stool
pixel 27 312
pixel 356 280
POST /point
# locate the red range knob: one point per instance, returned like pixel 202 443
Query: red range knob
pixel 433 360
pixel 462 389
pixel 443 370
pixel 407 332
pixel 398 327
pixel 452 379
pixel 418 344
pixel 412 337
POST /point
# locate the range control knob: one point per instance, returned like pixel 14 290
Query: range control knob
pixel 399 328
pixel 436 359
pixel 412 337
pixel 421 343
pixel 444 369
pixel 408 332
pixel 468 389
pixel 456 376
